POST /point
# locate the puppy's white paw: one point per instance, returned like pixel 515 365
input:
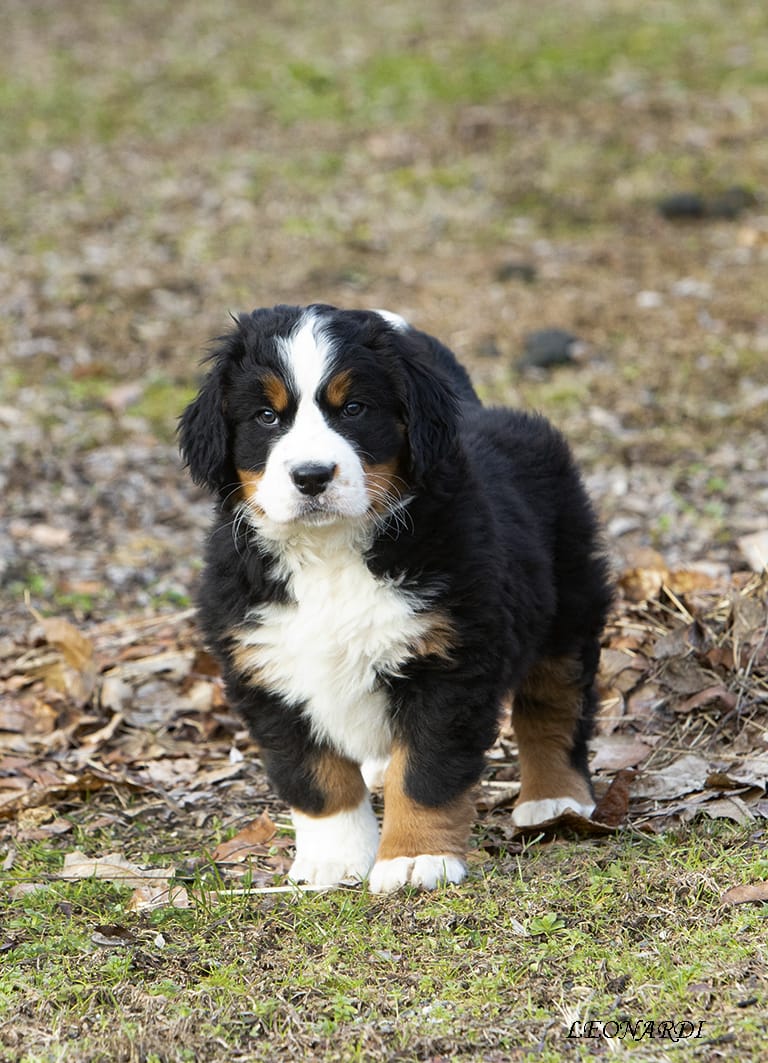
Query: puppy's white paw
pixel 327 872
pixel 425 871
pixel 336 848
pixel 531 813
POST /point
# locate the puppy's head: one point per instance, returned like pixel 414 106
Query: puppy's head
pixel 316 415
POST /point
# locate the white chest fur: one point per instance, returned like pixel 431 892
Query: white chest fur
pixel 327 649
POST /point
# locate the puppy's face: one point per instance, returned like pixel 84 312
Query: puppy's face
pixel 313 415
pixel 316 431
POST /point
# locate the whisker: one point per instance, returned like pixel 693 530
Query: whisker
pixel 394 517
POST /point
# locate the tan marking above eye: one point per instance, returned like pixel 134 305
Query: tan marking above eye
pixel 275 392
pixel 337 391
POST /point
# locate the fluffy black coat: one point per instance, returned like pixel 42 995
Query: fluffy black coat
pixel 499 537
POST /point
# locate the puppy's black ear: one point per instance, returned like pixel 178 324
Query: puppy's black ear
pixel 431 408
pixel 204 437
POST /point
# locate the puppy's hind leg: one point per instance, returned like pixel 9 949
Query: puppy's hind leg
pixel 552 713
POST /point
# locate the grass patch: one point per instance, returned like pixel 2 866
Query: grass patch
pixel 355 68
pixel 625 929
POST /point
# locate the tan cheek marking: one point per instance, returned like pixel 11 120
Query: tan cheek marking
pixel 440 638
pixel 384 483
pixel 338 388
pixel 341 783
pixel 276 392
pixel 545 714
pixel 249 485
pixel 412 829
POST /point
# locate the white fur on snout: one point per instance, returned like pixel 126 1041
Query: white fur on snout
pixel 306 356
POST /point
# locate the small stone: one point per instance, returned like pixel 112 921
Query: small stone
pixel 516 271
pixel 682 206
pixel 548 347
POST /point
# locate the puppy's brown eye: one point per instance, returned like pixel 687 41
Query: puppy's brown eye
pixel 267 417
pixel 352 409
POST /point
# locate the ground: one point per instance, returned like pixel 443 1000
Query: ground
pixel 486 171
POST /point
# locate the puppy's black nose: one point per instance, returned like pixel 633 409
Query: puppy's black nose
pixel 313 478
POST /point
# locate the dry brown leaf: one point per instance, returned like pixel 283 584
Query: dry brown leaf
pixel 209 778
pixel 756 893
pixel 683 675
pixel 749 618
pixel 78 676
pixel 147 898
pixel 687 774
pixel 642 584
pixel 20 890
pixel 113 867
pixel 752 771
pixel 44 787
pixel 76 647
pixel 29 818
pixel 729 807
pixel 172 771
pixel 612 807
pixel 27 716
pixel 643 702
pixel 613 662
pixel 679 641
pixel 688 580
pixel 249 840
pixel 49 829
pixel 706 696
pixel 614 752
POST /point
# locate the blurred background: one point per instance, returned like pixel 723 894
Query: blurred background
pixel 573 197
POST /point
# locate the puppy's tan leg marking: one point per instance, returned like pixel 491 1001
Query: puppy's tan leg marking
pixel 341 782
pixel 421 845
pixel 340 842
pixel 545 715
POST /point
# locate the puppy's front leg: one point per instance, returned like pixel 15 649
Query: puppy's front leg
pixel 339 840
pixel 424 845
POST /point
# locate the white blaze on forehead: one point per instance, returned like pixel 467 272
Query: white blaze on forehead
pixel 306 354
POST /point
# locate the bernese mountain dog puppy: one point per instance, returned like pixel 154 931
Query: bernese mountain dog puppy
pixel 390 561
